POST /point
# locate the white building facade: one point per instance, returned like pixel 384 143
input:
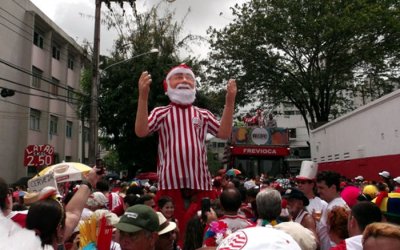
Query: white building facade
pixel 42 64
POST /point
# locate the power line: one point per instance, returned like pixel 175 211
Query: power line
pixel 31 94
pixel 43 111
pixel 47 92
pixel 37 76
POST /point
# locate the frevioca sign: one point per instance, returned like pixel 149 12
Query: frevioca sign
pixel 259 136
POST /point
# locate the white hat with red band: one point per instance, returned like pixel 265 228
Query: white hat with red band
pixel 181 68
pixel 308 171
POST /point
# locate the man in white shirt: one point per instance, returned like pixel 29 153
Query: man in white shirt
pixel 328 186
pixel 317 207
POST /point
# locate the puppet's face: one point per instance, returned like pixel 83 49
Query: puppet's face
pixel 182 88
pixel 182 81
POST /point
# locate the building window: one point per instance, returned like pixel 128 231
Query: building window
pixel 38 39
pixel 71 62
pixel 68 132
pixel 86 134
pixel 36 77
pixel 53 125
pixel 34 119
pixel 70 94
pixel 54 86
pixel 292 133
pixel 56 52
pixel 56 158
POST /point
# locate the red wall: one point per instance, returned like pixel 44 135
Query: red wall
pixel 367 167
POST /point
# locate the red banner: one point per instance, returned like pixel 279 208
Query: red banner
pixel 39 155
pixel 261 151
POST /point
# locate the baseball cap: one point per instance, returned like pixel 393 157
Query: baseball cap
pixel 296 194
pixel 254 238
pixel 359 178
pixel 397 179
pixel 385 174
pixel 249 184
pixel 97 199
pixel 138 217
pixel 111 217
pixel 165 225
pixel 370 190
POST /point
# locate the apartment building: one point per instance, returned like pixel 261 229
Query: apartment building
pixel 42 64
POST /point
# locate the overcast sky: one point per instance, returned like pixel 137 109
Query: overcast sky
pixel 75 17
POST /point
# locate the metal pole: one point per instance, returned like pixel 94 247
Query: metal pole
pixel 93 121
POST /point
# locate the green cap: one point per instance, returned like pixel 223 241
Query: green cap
pixel 137 218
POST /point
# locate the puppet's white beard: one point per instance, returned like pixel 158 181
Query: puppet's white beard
pixel 181 96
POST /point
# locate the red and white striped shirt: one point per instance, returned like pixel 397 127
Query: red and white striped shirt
pixel 182 153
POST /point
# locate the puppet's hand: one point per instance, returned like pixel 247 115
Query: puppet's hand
pixel 144 84
pixel 231 91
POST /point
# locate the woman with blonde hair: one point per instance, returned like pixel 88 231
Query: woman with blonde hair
pixel 382 236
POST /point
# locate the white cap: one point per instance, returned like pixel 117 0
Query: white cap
pixel 359 178
pixel 397 179
pixel 165 225
pixel 111 217
pixel 97 199
pixel 385 174
pixel 249 184
pixel 256 238
pixel 308 170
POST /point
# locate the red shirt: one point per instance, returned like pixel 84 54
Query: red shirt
pixel 182 153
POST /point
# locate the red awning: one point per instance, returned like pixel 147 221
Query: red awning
pixel 152 176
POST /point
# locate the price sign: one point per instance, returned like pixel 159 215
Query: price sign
pixel 39 155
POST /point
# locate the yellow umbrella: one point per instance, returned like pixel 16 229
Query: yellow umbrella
pixel 66 171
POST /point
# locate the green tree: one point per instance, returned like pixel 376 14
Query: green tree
pixel 310 53
pixel 118 89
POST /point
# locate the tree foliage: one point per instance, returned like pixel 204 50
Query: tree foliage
pixel 310 52
pixel 118 92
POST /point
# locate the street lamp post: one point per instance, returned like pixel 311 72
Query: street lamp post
pixel 152 51
pixel 93 119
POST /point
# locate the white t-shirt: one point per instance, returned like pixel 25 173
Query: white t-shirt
pixel 354 243
pixel 316 204
pixel 12 236
pixel 338 201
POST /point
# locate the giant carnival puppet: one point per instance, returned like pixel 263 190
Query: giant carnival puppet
pixel 182 128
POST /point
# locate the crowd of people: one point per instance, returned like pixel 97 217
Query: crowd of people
pixel 189 209
pixel 314 210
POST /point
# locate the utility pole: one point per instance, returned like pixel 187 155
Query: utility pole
pixel 93 120
pixel 94 115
